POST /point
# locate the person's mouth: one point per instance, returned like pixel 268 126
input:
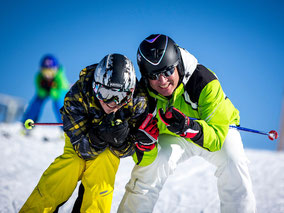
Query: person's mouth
pixel 165 86
pixel 111 107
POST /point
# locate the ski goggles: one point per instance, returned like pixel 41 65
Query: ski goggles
pixel 108 95
pixel 166 73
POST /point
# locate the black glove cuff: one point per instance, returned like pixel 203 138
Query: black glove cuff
pixel 139 155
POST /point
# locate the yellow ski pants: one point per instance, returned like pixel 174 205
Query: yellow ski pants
pixel 60 179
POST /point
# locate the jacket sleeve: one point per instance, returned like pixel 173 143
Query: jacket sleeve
pixel 216 114
pixel 213 109
pixel 141 110
pixel 145 158
pixel 40 91
pixel 75 123
pixel 60 85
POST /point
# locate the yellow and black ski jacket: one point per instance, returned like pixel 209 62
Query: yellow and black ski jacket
pixel 82 112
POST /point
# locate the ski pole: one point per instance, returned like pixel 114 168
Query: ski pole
pixel 29 124
pixel 272 134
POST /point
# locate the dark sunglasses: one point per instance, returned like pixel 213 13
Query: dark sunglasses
pixel 167 72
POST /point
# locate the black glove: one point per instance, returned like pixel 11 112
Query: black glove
pixel 46 84
pixel 179 123
pixel 115 134
pixel 110 132
pixel 96 141
pixel 147 134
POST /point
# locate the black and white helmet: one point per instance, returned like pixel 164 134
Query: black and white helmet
pixel 114 79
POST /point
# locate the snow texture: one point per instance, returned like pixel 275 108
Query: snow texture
pixel 192 188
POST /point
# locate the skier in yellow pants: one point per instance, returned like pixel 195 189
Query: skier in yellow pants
pixel 103 121
pixel 60 180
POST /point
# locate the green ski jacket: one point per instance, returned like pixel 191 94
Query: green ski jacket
pixel 55 88
pixel 200 96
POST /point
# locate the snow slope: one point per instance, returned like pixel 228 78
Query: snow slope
pixel 191 189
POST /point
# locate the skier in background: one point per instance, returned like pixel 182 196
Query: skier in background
pixel 105 118
pixel 181 88
pixel 50 82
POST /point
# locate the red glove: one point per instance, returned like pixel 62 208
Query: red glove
pixel 147 134
pixel 179 123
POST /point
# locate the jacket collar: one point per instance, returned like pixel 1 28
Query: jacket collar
pixel 189 63
pixel 178 92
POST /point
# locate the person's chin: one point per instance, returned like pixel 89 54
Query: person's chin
pixel 165 92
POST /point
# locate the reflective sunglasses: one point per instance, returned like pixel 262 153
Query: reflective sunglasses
pixel 166 73
pixel 108 95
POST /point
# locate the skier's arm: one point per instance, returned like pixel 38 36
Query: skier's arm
pixel 146 141
pixel 60 85
pixel 216 114
pixel 76 126
pixel 144 144
pixel 40 91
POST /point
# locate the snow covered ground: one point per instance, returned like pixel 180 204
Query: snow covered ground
pixel 191 189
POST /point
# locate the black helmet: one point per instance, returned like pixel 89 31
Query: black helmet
pixel 157 53
pixel 114 79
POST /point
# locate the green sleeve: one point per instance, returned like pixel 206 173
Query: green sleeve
pixel 40 91
pixel 216 114
pixel 60 85
pixel 145 158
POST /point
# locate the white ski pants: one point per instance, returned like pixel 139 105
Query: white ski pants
pixel 234 183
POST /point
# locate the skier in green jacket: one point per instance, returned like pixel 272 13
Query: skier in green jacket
pixel 181 89
pixel 50 82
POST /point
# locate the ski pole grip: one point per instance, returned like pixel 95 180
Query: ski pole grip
pixel 29 124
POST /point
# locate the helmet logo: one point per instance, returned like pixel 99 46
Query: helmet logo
pixel 116 85
pixel 155 53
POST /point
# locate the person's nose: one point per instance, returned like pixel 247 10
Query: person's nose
pixel 162 78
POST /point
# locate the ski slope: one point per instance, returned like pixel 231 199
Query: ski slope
pixel 191 189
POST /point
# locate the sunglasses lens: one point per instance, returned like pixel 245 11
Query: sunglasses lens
pixel 154 76
pixel 167 73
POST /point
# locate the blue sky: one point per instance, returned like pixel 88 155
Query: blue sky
pixel 241 41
